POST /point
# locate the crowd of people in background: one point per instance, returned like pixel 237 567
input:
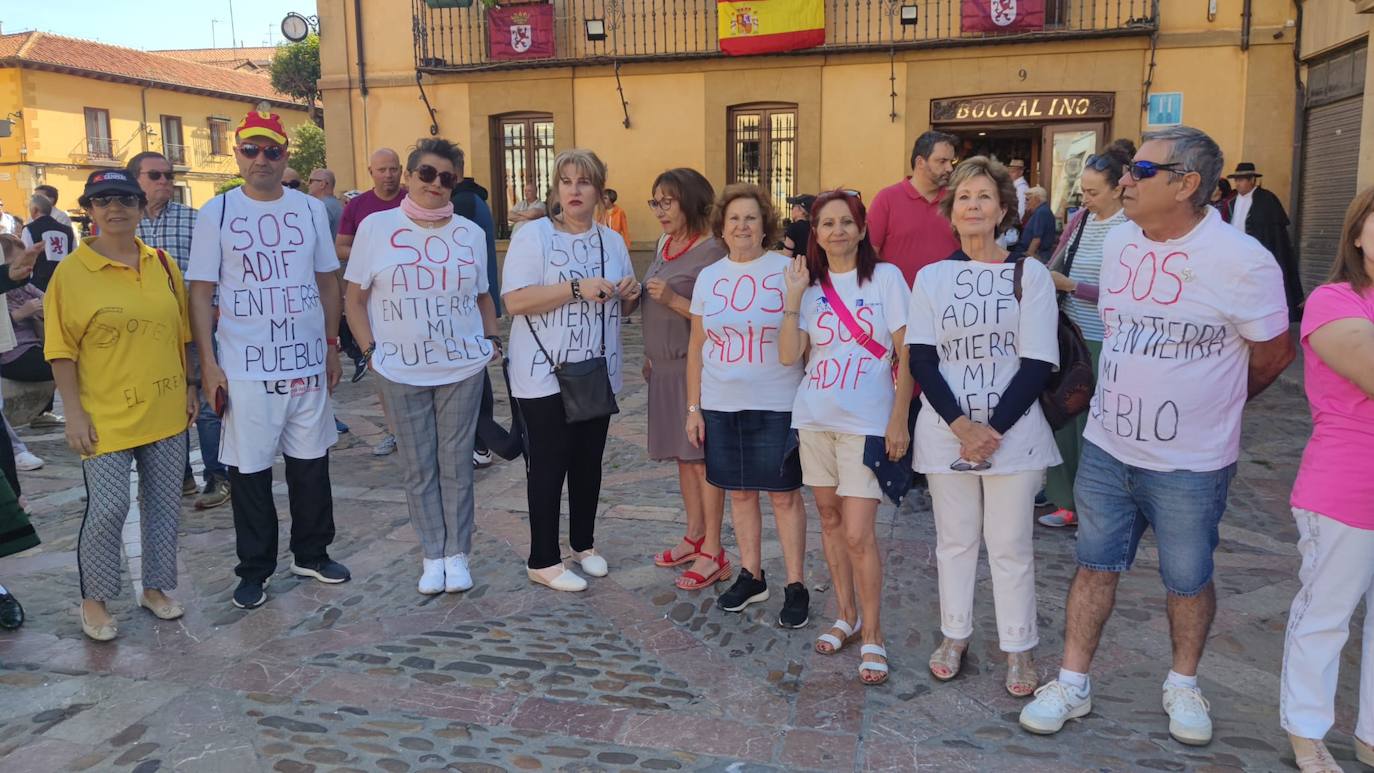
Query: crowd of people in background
pixel 861 352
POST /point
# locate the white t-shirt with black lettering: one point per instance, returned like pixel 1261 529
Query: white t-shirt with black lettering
pixel 740 305
pixel 1179 316
pixel 543 255
pixel 846 389
pixel 264 258
pixel 424 284
pixel 968 311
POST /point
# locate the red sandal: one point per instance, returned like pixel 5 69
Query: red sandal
pixel 691 580
pixel 666 560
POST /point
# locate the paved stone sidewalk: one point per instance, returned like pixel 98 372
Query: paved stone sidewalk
pixel 633 674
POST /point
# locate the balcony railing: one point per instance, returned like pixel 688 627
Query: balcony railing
pixel 454 39
pixel 176 154
pixel 100 148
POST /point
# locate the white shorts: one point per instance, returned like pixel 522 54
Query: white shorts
pixel 266 418
pixel 836 460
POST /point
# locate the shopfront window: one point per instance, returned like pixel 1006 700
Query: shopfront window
pixel 1070 147
pixel 763 149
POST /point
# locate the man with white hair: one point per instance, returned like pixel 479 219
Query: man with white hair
pixel 1017 169
pixel 321 186
pixel 1038 234
pixel 1196 325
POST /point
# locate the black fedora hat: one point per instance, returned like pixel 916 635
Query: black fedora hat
pixel 1244 169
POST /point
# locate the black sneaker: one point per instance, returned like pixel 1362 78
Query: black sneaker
pixel 744 592
pixel 250 594
pixel 1042 499
pixel 11 611
pixel 796 606
pixel 325 570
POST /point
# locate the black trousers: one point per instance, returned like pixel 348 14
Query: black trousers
pixel 30 367
pixel 556 452
pixel 255 515
pixel 7 463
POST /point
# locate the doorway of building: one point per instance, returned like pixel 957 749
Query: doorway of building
pixel 523 153
pixel 1005 145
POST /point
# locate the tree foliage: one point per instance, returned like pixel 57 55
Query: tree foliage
pixel 228 185
pixel 307 149
pixel 296 72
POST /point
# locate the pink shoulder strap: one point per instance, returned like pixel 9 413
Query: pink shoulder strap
pixel 847 319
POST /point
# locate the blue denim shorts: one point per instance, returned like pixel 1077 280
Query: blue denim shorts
pixel 751 451
pixel 1116 502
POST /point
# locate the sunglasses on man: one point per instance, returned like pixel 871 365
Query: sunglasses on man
pixel 156 175
pixel 251 150
pixel 429 174
pixel 1144 170
pixel 292 184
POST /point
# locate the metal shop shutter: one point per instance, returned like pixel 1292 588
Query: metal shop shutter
pixel 1331 152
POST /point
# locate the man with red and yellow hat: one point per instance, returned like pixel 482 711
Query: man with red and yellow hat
pixel 267 252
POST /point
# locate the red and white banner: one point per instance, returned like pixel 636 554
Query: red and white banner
pixel 1002 15
pixel 520 32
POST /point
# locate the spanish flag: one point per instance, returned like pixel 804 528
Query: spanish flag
pixel 769 26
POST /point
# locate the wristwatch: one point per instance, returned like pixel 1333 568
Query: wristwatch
pixel 693 408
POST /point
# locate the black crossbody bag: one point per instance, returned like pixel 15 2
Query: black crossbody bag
pixel 584 385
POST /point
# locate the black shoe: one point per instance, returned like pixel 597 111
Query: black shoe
pixel 11 611
pixel 796 606
pixel 325 570
pixel 250 594
pixel 1042 499
pixel 744 592
pixel 359 369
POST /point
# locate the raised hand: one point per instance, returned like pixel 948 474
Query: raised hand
pixel 797 277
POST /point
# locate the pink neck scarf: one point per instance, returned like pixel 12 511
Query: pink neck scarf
pixel 414 211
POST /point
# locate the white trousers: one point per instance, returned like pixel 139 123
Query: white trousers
pixel 1337 571
pixel 999 509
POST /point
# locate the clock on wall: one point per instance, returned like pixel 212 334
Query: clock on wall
pixel 295 27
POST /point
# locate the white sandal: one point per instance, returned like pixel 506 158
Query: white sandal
pixel 864 665
pixel 835 644
pixel 567 581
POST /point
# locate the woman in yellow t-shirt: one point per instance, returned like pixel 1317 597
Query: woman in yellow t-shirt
pixel 116 337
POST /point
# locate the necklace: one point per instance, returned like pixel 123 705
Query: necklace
pixel 668 255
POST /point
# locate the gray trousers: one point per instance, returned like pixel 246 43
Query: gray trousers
pixel 160 467
pixel 435 429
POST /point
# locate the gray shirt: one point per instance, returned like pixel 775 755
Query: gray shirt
pixel 334 208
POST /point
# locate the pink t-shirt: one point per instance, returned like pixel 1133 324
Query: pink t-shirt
pixel 1342 419
pixel 359 207
pixel 908 229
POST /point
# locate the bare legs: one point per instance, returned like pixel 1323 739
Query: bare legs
pixel 851 550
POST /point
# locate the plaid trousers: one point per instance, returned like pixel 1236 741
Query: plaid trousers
pixel 435 429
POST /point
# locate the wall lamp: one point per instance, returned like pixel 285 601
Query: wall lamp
pixel 908 14
pixel 596 29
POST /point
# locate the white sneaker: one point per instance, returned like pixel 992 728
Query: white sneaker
pixel 1188 719
pixel 27 462
pixel 1055 704
pixel 432 579
pixel 481 459
pixel 456 575
pixel 593 564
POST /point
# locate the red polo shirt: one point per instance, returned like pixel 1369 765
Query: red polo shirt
pixel 908 230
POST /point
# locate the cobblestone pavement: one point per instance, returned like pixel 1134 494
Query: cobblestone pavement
pixel 631 675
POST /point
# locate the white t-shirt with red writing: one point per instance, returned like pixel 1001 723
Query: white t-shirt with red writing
pixel 543 255
pixel 264 258
pixel 1179 316
pixel 740 305
pixel 424 285
pixel 845 388
pixel 968 311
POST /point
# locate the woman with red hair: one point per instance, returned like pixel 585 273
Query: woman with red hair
pixel 847 313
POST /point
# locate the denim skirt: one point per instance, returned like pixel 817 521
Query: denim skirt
pixel 751 451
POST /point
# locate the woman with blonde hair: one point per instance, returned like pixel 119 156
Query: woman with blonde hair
pixel 1334 509
pixel 983 335
pixel 568 282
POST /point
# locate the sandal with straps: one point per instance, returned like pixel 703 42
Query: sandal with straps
pixel 872 667
pixel 1021 677
pixel 835 643
pixel 666 560
pixel 691 580
pixel 948 657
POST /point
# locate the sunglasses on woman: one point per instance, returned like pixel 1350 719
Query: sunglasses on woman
pixel 251 150
pixel 429 174
pixel 125 200
pixel 963 465
pixel 1144 170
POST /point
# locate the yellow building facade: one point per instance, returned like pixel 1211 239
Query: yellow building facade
pixel 76 106
pixel 657 92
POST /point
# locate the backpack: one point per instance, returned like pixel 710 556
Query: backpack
pixel 1070 388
